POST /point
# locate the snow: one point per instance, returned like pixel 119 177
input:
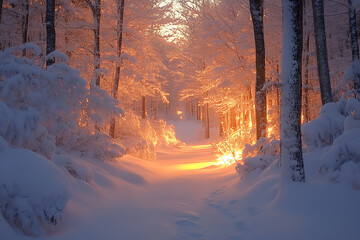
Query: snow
pixel 183 195
pixel 33 191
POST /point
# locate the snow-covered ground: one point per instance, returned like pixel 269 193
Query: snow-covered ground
pixel 183 195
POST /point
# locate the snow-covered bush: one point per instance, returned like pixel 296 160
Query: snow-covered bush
pixel 43 108
pixel 342 161
pixel 228 150
pixel 140 137
pixel 259 156
pixel 330 124
pixel 33 191
pixel 98 146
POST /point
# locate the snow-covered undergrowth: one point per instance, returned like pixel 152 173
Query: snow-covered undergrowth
pixel 259 156
pixel 140 137
pixel 44 112
pixel 331 146
pixel 42 109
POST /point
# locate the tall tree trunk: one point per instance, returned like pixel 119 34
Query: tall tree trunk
pixel 96 15
pixel 50 29
pixel 1 7
pixel 25 25
pixel 306 111
pixel 354 44
pixel 257 13
pixel 207 121
pixel 290 121
pixel 96 11
pixel 143 107
pixel 67 39
pixel 321 51
pixel 120 11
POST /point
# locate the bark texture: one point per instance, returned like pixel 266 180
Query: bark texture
pixel 257 13
pixel 120 24
pixel 50 29
pixel 321 51
pixel 290 132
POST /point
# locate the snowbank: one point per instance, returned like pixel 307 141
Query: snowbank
pixel 33 191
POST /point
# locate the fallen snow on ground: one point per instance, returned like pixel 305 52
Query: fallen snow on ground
pixel 183 195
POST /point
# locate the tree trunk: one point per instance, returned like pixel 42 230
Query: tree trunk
pixel 50 29
pixel 96 11
pixel 1 7
pixel 207 121
pixel 120 10
pixel 321 51
pixel 257 12
pixel 25 25
pixel 354 44
pixel 97 14
pixel 290 132
pixel 306 111
pixel 143 108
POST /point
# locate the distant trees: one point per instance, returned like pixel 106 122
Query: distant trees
pixel 290 132
pixel 257 15
pixel 321 51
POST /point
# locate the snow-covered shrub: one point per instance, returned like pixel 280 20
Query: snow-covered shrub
pixel 330 124
pixel 165 133
pixel 33 191
pixel 342 160
pixel 140 137
pixel 228 150
pixel 98 146
pixel 44 108
pixel 259 156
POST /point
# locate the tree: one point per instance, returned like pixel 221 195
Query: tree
pixel 119 31
pixel 96 12
pixel 354 43
pixel 290 132
pixel 1 7
pixel 50 29
pixel 257 14
pixel 25 22
pixel 321 51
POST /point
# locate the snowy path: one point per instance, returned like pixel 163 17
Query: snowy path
pixel 167 199
pixel 183 196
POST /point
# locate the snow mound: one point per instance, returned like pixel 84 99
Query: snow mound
pixel 259 156
pixel 33 191
pixel 323 130
pixel 342 161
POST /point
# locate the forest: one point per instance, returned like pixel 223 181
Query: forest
pixel 179 119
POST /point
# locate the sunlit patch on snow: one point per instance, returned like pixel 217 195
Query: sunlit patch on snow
pixel 196 165
pixel 229 159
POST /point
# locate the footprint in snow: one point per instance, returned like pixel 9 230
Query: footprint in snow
pixel 185 223
pixel 240 225
pixel 189 225
pixel 253 211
